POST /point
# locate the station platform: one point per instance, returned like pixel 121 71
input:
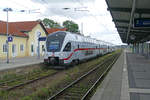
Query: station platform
pixel 129 79
pixel 19 62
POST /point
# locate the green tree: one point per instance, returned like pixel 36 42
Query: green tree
pixel 71 26
pixel 51 23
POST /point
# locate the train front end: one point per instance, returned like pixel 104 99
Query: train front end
pixel 53 55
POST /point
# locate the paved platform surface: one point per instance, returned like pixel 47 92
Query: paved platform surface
pixel 19 62
pixel 139 77
pixel 129 79
pixel 111 86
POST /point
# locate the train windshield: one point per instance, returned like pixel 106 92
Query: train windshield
pixel 54 45
pixel 54 41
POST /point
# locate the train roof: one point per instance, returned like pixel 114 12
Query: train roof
pixel 81 38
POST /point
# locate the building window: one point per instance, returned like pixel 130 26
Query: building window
pixel 32 48
pixel 13 48
pixel 43 48
pixel 4 48
pixel 21 47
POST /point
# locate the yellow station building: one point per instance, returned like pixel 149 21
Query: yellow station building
pixel 25 38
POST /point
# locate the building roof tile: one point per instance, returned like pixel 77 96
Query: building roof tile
pixel 18 28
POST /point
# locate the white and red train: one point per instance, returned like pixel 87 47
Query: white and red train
pixel 63 48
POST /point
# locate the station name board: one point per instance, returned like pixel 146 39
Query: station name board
pixel 42 38
pixel 142 22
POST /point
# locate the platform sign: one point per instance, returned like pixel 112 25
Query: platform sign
pixel 142 22
pixel 42 38
pixel 10 38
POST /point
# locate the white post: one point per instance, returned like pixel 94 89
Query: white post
pixel 7 40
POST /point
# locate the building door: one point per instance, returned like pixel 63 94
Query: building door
pixel 43 50
pixel 32 49
pixel 14 50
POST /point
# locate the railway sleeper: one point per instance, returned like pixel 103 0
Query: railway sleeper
pixel 74 94
pixel 75 88
pixel 66 97
pixel 80 85
pixel 78 90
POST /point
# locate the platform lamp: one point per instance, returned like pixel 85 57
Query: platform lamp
pixel 7 43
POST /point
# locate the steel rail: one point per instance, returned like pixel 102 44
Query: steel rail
pixel 21 77
pixel 78 79
pixel 88 92
pixel 29 81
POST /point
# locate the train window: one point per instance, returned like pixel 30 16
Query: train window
pixel 67 47
pixel 54 45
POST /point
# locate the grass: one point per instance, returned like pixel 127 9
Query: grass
pixel 46 91
pixel 18 79
pixel 20 72
pixel 8 76
pixel 70 75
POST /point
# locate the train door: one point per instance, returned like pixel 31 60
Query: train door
pixel 76 51
pixel 73 44
pixel 67 50
pixel 99 52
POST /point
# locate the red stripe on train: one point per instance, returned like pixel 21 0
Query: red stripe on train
pixel 81 49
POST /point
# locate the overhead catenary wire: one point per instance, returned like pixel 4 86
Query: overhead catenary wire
pixel 27 9
pixel 23 10
pixel 46 5
pixel 95 17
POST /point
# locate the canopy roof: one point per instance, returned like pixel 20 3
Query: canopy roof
pixel 124 12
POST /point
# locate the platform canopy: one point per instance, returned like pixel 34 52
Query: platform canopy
pixel 132 19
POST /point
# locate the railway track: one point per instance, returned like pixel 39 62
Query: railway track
pixel 24 80
pixel 82 87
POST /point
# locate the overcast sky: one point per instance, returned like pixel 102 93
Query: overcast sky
pixel 92 14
